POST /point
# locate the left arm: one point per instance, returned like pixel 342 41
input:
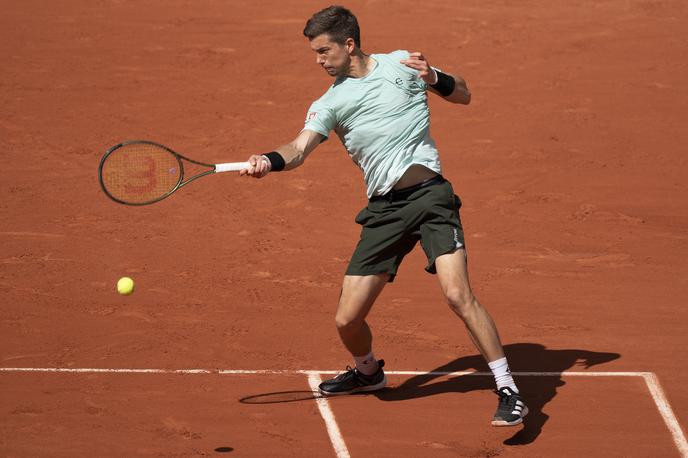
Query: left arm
pixel 460 94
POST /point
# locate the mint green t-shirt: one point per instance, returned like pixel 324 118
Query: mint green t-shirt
pixel 382 119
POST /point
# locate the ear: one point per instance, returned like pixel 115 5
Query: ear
pixel 350 45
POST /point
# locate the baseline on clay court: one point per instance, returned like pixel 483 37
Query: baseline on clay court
pixel 336 438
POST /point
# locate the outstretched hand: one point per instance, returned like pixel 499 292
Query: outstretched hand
pixel 418 62
pixel 260 167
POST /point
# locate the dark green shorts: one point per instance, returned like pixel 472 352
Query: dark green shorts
pixel 392 226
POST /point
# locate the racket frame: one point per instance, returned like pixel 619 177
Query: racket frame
pixel 180 181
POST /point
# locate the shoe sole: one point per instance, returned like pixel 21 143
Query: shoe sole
pixel 361 389
pixel 511 423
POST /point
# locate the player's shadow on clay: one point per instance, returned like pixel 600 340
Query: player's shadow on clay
pixel 537 391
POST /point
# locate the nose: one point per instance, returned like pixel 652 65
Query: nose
pixel 319 59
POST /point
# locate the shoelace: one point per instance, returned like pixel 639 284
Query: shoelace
pixel 346 372
pixel 508 399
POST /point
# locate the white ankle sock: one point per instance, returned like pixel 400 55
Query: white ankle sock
pixel 502 374
pixel 367 365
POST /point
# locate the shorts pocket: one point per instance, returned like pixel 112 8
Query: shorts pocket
pixel 363 216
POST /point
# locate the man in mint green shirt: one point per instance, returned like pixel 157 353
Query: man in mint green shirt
pixel 378 108
pixel 388 136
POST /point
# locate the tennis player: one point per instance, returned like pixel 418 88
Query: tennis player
pixel 378 108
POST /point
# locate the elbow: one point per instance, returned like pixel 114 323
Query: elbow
pixel 462 97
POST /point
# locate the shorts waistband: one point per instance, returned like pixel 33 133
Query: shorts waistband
pixel 403 193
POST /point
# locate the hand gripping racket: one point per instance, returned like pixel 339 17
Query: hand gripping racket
pixel 140 172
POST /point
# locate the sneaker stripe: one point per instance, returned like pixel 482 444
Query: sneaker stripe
pixel 510 410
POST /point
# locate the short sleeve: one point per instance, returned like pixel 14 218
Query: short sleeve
pixel 320 119
pixel 399 54
pixel 402 54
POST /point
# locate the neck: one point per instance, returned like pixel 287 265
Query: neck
pixel 360 65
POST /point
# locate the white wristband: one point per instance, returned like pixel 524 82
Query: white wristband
pixel 435 78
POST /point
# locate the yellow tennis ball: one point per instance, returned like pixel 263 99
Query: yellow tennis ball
pixel 125 286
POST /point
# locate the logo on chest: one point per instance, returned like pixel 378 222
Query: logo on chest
pixel 404 83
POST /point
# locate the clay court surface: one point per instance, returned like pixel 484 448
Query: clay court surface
pixel 570 162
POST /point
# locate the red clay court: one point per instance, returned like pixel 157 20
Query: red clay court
pixel 570 162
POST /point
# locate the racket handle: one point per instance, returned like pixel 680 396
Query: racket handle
pixel 231 167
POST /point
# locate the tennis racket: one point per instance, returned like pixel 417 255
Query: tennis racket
pixel 140 172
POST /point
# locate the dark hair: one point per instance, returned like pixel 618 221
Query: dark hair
pixel 336 21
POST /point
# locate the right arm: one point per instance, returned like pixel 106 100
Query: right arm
pixel 294 153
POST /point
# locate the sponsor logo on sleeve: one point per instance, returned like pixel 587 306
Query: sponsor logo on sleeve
pixel 311 115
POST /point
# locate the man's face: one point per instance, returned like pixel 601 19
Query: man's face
pixel 331 56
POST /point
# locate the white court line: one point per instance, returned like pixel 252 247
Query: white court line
pixel 107 371
pixel 650 378
pixel 309 372
pixel 328 416
pixel 667 413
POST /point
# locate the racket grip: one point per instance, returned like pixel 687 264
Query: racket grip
pixel 231 167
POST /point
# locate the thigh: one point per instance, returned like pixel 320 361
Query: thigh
pixel 358 295
pixel 441 232
pixel 385 240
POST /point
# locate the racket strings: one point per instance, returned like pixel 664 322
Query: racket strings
pixel 138 173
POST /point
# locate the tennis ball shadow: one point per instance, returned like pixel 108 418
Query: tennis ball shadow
pixel 224 449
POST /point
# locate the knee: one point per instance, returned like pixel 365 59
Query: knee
pixel 347 322
pixel 462 302
pixel 350 315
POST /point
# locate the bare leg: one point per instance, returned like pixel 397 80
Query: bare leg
pixel 452 272
pixel 358 295
pixel 453 275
